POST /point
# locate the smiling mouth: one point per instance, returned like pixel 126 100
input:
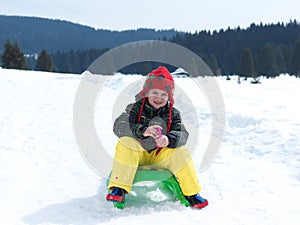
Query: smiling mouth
pixel 157 102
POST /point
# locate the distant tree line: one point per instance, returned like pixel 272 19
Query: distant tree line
pixel 75 61
pixel 258 50
pixel 266 50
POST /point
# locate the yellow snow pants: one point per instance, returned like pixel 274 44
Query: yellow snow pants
pixel 130 155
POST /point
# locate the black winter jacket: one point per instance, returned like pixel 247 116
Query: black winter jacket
pixel 127 124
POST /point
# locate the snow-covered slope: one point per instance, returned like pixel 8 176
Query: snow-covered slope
pixel 44 180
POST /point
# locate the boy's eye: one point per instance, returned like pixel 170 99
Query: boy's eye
pixel 158 94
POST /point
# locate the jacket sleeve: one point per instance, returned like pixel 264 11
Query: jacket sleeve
pixel 121 124
pixel 177 135
pixel 127 123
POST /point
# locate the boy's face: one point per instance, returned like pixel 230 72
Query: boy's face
pixel 157 98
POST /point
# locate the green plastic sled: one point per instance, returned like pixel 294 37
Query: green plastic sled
pixel 164 180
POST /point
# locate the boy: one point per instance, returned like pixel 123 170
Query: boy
pixel 151 133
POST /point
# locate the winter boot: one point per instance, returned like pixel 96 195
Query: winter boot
pixel 116 195
pixel 197 201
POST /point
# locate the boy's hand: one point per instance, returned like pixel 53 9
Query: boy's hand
pixel 162 141
pixel 153 131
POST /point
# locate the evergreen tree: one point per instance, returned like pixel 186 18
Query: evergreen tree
pixel 280 60
pixel 6 57
pixel 44 62
pixel 75 63
pixel 246 68
pixel 213 63
pixel 13 58
pixel 267 62
pixel 295 61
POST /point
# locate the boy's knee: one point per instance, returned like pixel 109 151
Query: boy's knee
pixel 181 157
pixel 184 152
pixel 129 143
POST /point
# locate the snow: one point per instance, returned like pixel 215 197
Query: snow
pixel 44 180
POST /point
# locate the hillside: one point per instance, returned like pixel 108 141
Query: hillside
pixel 272 48
pixel 34 34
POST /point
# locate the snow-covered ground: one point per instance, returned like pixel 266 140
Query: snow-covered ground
pixel 44 180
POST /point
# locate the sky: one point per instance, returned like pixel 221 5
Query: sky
pixel 187 15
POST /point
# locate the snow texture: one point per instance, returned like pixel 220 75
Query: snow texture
pixel 44 180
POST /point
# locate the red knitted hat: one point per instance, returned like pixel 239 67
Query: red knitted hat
pixel 159 78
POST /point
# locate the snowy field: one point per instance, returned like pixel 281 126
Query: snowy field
pixel 44 180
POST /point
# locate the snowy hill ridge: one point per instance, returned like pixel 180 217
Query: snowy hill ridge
pixel 44 180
